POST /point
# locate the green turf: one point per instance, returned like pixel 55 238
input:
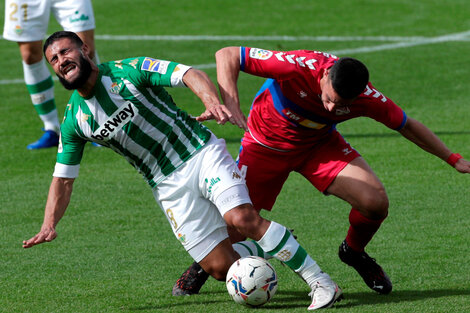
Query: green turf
pixel 116 252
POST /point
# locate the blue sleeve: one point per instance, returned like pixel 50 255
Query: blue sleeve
pixel 403 122
pixel 242 58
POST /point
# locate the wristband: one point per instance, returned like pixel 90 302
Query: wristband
pixel 453 158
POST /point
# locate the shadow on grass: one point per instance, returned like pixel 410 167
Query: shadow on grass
pixel 284 299
pixel 292 299
pixel 399 296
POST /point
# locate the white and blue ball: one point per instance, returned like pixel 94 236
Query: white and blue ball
pixel 251 281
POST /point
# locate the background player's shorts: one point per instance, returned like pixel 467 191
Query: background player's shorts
pixel 27 20
pixel 195 197
pixel 266 170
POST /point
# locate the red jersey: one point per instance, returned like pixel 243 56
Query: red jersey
pixel 287 113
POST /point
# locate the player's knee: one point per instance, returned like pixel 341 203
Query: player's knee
pixel 375 205
pixel 30 57
pixel 239 216
pixel 245 220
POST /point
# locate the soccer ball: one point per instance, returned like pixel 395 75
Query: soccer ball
pixel 251 281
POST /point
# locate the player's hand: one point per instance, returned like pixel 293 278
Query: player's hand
pixel 238 118
pixel 216 112
pixel 463 166
pixel 45 235
pixel 221 114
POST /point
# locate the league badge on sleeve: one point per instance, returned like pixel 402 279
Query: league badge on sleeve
pixel 260 54
pixel 153 65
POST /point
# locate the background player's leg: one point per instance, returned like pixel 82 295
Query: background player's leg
pixel 40 86
pixel 88 37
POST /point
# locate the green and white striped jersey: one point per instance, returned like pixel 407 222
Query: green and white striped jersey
pixel 131 113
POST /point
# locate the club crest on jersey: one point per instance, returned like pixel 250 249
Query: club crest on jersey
pixel 115 122
pixel 260 54
pixel 115 87
pixel 153 65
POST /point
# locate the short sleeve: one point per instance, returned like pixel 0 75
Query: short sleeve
pixel 163 73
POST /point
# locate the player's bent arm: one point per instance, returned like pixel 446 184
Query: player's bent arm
pixel 200 83
pixel 228 69
pixel 423 137
pixel 58 199
pixel 202 86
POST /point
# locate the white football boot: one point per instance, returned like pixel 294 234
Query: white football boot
pixel 325 292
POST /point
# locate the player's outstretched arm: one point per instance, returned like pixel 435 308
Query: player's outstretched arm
pixel 423 137
pixel 228 69
pixel 200 83
pixel 57 202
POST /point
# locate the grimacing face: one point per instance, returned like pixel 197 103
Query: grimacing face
pixel 69 63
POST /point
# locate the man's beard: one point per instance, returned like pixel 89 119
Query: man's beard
pixel 83 75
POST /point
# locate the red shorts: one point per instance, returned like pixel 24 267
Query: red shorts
pixel 266 170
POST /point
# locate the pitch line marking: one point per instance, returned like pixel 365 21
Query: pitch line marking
pixel 261 38
pixel 402 42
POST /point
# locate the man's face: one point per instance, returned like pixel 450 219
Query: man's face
pixel 330 98
pixel 69 63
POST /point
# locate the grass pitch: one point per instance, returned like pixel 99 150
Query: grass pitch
pixel 115 251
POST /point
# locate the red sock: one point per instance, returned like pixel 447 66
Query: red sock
pixel 361 230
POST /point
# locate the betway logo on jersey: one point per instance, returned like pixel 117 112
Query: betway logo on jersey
pixel 115 122
pixel 260 54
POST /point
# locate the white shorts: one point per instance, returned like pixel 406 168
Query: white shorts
pixel 196 196
pixel 27 20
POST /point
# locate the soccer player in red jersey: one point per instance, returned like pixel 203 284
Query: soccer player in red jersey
pixel 292 127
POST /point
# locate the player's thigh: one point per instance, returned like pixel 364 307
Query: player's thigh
pixel 195 220
pixel 220 180
pixel 265 172
pixel 324 162
pixel 358 185
pixel 74 15
pixel 26 20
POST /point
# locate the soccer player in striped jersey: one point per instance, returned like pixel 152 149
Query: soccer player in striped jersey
pixel 26 23
pixel 292 127
pixel 123 105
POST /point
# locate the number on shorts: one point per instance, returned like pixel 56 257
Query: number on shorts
pixel 25 11
pixel 171 217
pixel 14 7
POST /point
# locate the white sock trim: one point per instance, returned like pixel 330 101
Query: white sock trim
pixel 35 73
pixel 272 237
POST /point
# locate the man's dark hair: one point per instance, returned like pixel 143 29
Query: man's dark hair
pixel 62 34
pixel 349 77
